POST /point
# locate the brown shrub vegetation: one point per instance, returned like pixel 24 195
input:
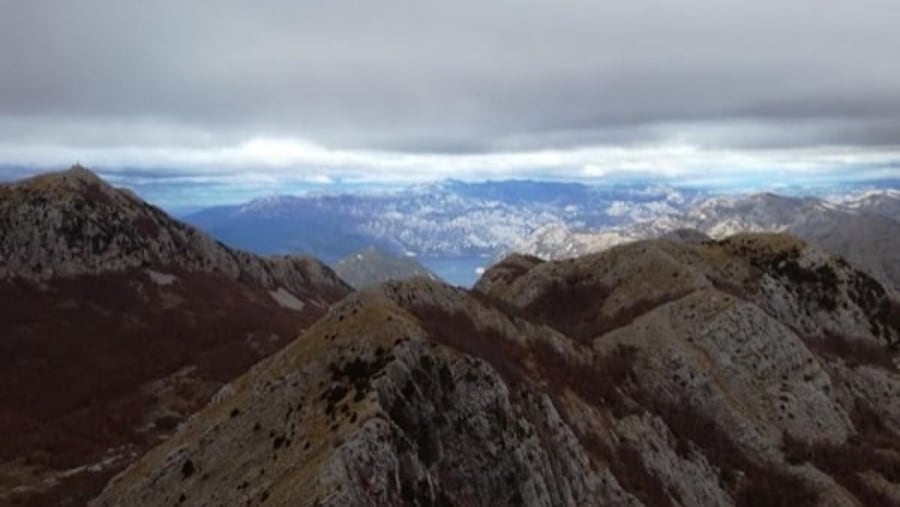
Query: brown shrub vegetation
pixel 872 448
pixel 628 467
pixel 750 482
pixel 854 352
pixel 458 331
pixel 604 382
pixel 75 354
pixel 511 268
pixel 574 307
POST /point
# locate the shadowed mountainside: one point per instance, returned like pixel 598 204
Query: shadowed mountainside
pixel 118 322
pixel 756 370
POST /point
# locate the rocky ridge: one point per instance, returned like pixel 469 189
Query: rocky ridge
pixel 863 230
pixel 73 223
pixel 885 203
pixel 756 370
pixel 117 323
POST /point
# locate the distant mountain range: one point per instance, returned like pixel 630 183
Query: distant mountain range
pixel 877 202
pixel 372 266
pixel 117 323
pixel 449 219
pixel 467 225
pixel 863 229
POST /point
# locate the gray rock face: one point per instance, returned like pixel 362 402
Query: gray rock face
pixel 117 322
pixel 751 371
pixel 73 223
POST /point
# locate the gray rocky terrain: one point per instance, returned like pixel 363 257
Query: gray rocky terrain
pixel 72 223
pixel 754 370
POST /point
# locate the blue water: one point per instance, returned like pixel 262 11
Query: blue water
pixel 461 271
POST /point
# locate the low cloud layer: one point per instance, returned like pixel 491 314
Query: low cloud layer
pixel 411 89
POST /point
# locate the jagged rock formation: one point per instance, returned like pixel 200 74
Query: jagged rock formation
pixel 117 322
pixel 371 266
pixel 757 370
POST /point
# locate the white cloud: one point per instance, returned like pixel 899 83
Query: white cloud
pixel 272 160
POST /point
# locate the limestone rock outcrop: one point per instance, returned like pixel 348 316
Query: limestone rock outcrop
pixel 757 370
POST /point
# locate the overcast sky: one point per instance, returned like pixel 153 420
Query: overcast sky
pixel 354 91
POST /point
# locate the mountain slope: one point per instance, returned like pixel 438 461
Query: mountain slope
pixel 372 266
pixel 884 202
pixel 117 322
pixel 869 241
pixel 752 371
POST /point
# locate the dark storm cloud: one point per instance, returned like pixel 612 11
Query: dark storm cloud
pixel 463 76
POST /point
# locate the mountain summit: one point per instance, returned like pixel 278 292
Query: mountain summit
pixel 118 322
pixel 73 223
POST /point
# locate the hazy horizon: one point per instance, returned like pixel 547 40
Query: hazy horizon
pixel 194 194
pixel 223 101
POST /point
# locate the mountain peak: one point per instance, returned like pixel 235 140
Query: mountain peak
pixel 76 183
pixel 73 222
pixel 76 175
pixel 130 298
pixel 80 173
